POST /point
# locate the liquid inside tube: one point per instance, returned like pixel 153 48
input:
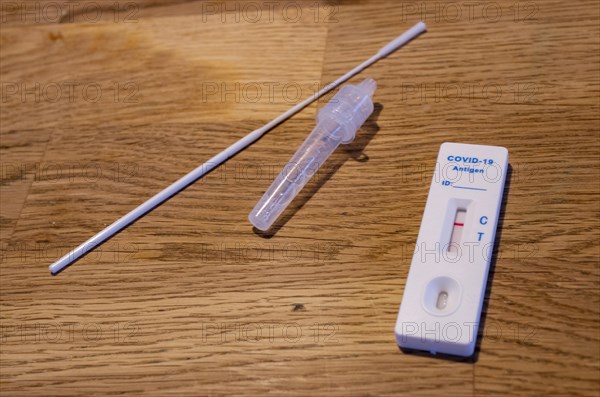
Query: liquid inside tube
pixel 337 123
pixel 319 145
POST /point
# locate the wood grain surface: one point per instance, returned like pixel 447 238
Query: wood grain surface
pixel 105 103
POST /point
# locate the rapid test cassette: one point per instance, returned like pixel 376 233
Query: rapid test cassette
pixel 443 297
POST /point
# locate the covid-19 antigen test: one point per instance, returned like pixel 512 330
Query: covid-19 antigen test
pixel 443 297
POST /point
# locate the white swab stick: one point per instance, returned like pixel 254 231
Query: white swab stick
pixel 203 169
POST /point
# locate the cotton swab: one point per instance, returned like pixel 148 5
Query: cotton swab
pixel 223 156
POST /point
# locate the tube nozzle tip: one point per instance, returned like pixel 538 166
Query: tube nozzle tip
pixel 368 85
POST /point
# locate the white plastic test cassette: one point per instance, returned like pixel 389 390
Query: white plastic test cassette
pixel 441 305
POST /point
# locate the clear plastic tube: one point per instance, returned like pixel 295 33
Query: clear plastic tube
pixel 337 123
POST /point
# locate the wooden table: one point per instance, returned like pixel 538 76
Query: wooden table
pixel 102 106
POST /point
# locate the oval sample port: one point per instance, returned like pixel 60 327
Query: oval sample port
pixel 442 296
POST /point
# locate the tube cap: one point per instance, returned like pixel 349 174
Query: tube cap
pixel 350 107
